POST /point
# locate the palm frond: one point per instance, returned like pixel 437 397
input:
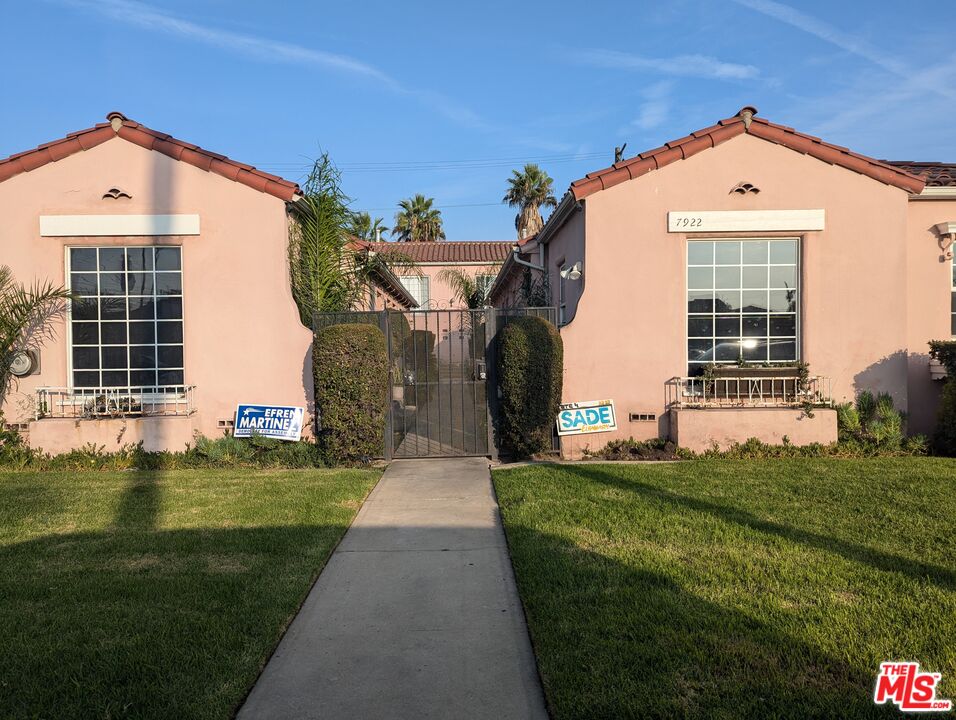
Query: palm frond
pixel 26 315
pixel 529 190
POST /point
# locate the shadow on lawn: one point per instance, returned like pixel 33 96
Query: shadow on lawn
pixel 887 562
pixel 135 621
pixel 139 505
pixel 617 641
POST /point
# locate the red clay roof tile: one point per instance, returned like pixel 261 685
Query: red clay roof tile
pixel 936 174
pixel 897 174
pixel 449 251
pixel 133 132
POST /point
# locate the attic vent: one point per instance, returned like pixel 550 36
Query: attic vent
pixel 744 188
pixel 116 193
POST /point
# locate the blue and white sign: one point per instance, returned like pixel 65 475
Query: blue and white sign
pixel 283 422
pixel 593 416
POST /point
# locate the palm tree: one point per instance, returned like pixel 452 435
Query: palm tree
pixel 327 272
pixel 26 314
pixel 529 190
pixel 466 287
pixel 418 221
pixel 362 226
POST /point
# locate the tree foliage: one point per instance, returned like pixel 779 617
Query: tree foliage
pixel 466 287
pixel 26 315
pixel 530 366
pixel 350 364
pixel 329 271
pixel 418 221
pixel 362 226
pixel 529 190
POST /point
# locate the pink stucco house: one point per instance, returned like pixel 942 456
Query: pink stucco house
pixel 478 259
pixel 178 258
pixel 746 239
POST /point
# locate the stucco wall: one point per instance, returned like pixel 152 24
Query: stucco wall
pixel 57 436
pixel 441 294
pixel 243 339
pixel 928 305
pixel 700 430
pixel 628 332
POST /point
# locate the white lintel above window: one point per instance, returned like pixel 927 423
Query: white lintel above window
pixel 117 225
pixel 694 221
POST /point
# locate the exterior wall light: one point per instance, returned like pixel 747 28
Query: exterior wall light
pixel 947 234
pixel 573 272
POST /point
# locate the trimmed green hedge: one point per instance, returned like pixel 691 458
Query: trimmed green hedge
pixel 530 362
pixel 350 363
pixel 944 439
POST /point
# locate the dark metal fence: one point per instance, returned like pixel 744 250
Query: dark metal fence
pixel 442 377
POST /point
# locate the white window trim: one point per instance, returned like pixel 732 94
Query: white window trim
pixel 424 283
pixel 69 323
pixel 952 291
pixel 798 339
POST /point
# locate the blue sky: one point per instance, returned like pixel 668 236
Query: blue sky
pixel 445 98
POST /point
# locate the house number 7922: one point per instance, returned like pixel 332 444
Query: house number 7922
pixel 686 222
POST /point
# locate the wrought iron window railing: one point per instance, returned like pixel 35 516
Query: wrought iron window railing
pixel 114 402
pixel 745 390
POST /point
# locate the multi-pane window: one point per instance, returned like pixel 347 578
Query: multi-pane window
pixel 418 288
pixel 742 300
pixel 126 322
pixel 952 301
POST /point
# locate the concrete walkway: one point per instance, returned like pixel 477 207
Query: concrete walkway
pixel 416 614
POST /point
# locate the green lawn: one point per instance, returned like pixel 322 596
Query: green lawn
pixel 733 589
pixel 156 594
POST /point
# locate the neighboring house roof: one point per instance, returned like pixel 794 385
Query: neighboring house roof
pixel 132 131
pixel 449 252
pixel 744 122
pixel 386 280
pixel 936 174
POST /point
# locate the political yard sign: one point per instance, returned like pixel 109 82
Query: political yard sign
pixel 592 416
pixel 283 422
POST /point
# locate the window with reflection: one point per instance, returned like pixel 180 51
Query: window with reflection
pixel 126 321
pixel 742 301
pixel 952 301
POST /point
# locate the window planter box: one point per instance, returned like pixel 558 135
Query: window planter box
pixel 937 371
pixel 780 383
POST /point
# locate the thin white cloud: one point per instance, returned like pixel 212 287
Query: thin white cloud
pixel 656 106
pixel 154 20
pixel 849 43
pixel 699 66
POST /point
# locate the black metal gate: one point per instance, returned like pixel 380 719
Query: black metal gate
pixel 441 370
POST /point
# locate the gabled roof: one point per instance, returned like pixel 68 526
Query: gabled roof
pixel 450 252
pixel 120 126
pixel 936 174
pixel 387 281
pixel 744 122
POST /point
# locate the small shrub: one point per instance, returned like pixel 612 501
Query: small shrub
pixel 350 363
pixel 530 361
pixel 223 452
pixel 631 449
pixel 872 420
